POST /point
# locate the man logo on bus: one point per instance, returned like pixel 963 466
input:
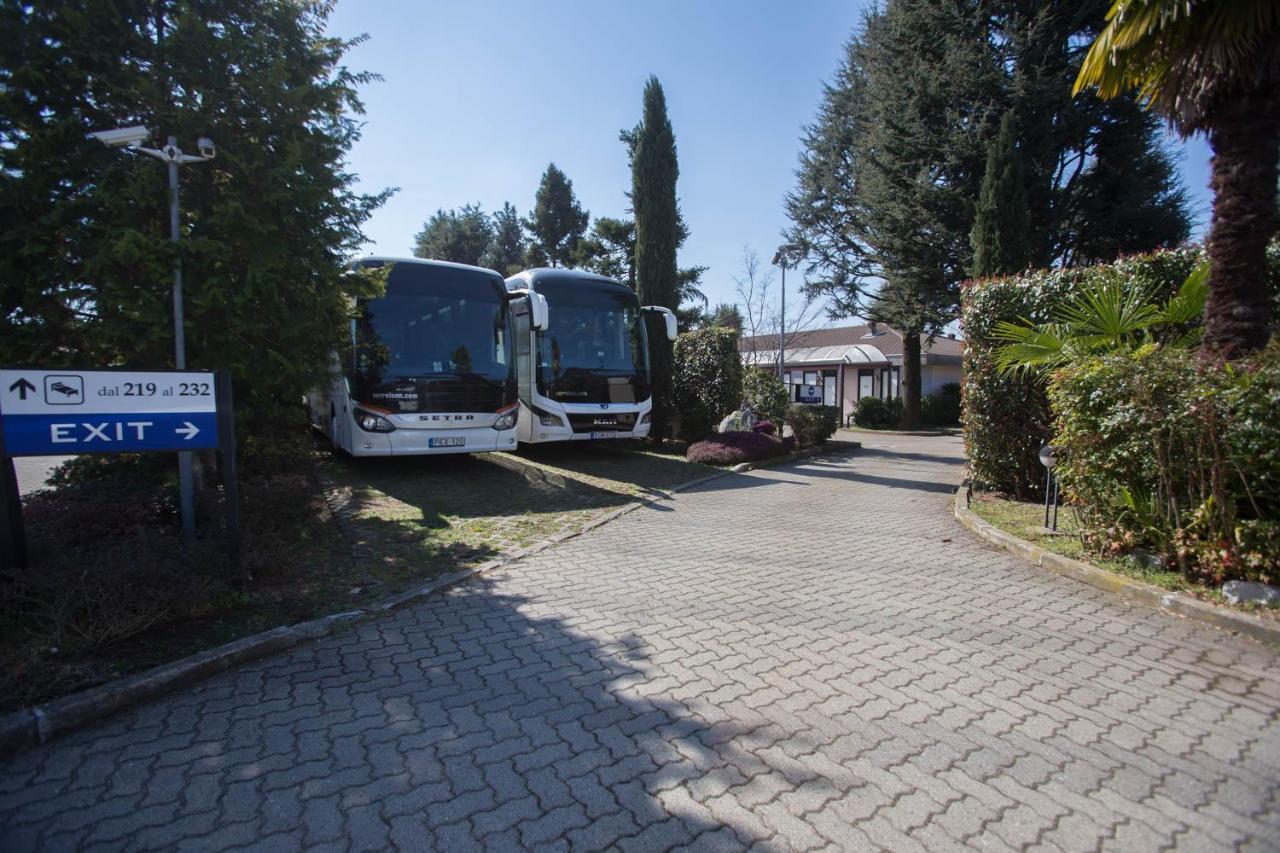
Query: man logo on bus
pixel 604 405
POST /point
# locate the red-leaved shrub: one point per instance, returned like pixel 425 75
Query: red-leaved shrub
pixel 765 427
pixel 732 448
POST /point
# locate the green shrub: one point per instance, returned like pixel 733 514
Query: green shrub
pixel 764 393
pixel 1162 451
pixel 1007 419
pixel 942 408
pixel 875 413
pixel 812 424
pixel 708 379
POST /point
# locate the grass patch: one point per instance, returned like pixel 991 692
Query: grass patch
pixel 111 590
pixel 1026 521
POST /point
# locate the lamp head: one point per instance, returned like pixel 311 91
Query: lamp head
pixel 121 137
pixel 1048 456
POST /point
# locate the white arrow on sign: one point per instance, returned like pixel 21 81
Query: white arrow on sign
pixel 188 430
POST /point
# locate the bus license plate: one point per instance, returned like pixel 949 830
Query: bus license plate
pixel 446 442
pixel 596 435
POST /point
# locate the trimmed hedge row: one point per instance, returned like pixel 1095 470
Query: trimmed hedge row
pixel 1007 420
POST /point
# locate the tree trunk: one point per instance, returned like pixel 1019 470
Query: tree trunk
pixel 1245 141
pixel 910 389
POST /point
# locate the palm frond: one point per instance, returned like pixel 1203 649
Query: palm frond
pixel 1028 348
pixel 1112 313
pixel 1188 303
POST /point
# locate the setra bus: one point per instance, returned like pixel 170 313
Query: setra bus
pixel 429 367
pixel 585 374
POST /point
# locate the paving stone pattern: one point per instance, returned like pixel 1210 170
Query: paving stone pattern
pixel 804 657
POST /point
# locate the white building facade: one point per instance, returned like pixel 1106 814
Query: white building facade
pixel 839 366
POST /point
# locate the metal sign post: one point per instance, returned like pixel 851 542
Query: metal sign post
pixel 56 412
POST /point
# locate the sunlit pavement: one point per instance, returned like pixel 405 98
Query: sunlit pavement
pixel 814 655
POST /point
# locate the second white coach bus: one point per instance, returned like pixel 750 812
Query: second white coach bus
pixel 583 367
pixel 429 367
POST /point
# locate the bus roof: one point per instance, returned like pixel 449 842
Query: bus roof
pixel 387 259
pixel 531 278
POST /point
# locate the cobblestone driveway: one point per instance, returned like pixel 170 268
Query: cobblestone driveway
pixel 810 656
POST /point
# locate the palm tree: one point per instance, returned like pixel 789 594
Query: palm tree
pixel 1211 66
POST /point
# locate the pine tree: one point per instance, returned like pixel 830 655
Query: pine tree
pixel 654 171
pixel 1129 199
pixel 1063 140
pixel 558 221
pixel 891 169
pixel 893 166
pixel 461 236
pixel 506 250
pixel 999 236
pixel 610 250
pixel 85 259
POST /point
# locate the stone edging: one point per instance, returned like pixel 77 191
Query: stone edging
pixel 1135 590
pixel 23 729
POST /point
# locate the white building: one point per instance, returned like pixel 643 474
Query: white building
pixel 837 367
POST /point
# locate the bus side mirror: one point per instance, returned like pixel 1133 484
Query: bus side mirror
pixel 538 317
pixel 670 318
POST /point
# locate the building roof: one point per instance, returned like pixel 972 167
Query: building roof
pixel 886 340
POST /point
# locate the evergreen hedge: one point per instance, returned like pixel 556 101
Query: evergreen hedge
pixel 1007 420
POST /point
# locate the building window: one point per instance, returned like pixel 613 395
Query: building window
pixel 889 377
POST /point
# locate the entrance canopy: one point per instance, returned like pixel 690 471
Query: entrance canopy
pixel 846 354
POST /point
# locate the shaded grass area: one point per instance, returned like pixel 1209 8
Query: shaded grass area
pixel 111 590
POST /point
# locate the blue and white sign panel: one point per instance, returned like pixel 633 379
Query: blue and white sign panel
pixel 44 412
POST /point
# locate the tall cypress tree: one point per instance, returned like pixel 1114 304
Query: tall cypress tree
pixel 557 222
pixel 658 234
pixel 999 235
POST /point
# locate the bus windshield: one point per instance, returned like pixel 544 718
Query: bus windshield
pixel 594 349
pixel 437 341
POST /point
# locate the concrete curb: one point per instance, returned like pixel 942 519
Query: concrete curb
pixel 23 729
pixel 1134 590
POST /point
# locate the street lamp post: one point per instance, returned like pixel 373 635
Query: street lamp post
pixel 780 259
pixel 173 157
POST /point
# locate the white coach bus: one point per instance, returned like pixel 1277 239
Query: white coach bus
pixel 429 367
pixel 585 373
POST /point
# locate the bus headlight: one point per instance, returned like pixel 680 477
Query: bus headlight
pixel 645 418
pixel 507 419
pixel 550 420
pixel 369 422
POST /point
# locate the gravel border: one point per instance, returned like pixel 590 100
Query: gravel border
pixel 1266 630
pixel 20 730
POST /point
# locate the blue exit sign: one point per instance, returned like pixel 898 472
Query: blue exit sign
pixel 48 412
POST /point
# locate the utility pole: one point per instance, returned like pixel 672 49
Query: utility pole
pixel 780 259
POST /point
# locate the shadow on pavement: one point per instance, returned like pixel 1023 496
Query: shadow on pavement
pixel 476 721
pixel 893 482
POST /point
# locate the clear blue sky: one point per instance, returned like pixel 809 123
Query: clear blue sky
pixel 479 97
